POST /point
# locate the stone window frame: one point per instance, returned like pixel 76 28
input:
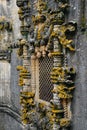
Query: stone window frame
pixel 35 81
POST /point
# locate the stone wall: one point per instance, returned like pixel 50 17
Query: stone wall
pixel 10 111
pixel 9 90
pixel 77 10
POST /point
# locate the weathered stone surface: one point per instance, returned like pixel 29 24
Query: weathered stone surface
pixel 77 59
pixel 9 90
pixel 9 123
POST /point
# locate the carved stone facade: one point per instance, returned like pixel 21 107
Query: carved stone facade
pixel 32 34
pixel 9 91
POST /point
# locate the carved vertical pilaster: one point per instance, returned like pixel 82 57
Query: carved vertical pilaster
pixel 37 81
pixel 26 64
pixel 57 64
pixel 33 75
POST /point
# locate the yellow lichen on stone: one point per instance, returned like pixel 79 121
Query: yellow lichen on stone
pixel 56 53
pixel 57 111
pixel 64 122
pixel 19 68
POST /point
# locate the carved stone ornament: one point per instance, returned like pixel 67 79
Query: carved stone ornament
pixel 49 36
pixel 5 38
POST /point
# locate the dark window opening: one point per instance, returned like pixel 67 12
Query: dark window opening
pixel 45 85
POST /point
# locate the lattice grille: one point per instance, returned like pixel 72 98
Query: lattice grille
pixel 45 85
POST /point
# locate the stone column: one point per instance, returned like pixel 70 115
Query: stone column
pixel 57 64
pixel 26 64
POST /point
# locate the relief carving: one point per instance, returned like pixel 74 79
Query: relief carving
pixel 49 35
pixel 5 38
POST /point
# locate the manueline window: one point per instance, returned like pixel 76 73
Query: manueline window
pixel 43 85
